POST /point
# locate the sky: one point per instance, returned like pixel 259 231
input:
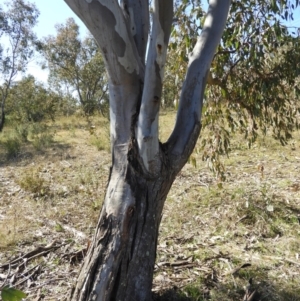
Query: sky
pixel 57 11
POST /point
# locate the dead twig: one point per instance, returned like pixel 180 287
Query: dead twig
pixel 242 218
pixel 227 262
pixel 174 264
pixel 39 251
pixel 282 259
pixel 5 280
pixel 35 270
pixel 249 297
pixel 234 271
pixel 76 256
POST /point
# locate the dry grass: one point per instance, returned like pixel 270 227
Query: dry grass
pixel 207 230
pixel 252 218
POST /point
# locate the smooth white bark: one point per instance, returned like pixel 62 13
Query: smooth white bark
pixel 111 29
pixel 191 100
pixel 138 13
pixel 147 126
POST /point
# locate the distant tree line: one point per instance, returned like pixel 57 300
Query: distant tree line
pixel 77 78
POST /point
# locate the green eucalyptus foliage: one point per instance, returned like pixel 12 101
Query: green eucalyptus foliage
pixel 12 294
pixel 253 85
pixel 30 101
pixel 16 24
pixel 77 64
pixel 186 27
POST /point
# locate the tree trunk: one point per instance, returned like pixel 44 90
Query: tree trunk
pixel 120 262
pixel 2 112
pixel 124 248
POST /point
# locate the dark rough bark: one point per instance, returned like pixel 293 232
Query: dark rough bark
pixel 124 247
pixel 132 236
pixel 2 120
pixel 2 113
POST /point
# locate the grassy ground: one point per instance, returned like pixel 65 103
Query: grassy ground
pixel 213 237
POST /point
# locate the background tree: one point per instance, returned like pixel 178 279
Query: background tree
pixel 263 99
pixel 30 101
pixel 78 64
pixel 17 44
pixel 120 261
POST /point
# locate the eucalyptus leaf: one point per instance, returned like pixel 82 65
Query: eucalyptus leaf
pixel 12 294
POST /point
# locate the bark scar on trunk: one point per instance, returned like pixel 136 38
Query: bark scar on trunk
pixel 104 229
pixel 127 222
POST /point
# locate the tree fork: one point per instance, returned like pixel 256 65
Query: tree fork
pixel 119 265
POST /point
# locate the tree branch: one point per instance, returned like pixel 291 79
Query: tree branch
pixel 111 30
pixel 138 14
pixel 187 128
pixel 106 22
pixel 147 128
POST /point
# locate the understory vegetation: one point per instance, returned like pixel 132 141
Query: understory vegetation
pixel 215 235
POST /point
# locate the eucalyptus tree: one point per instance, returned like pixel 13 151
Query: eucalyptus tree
pixel 17 44
pixel 120 262
pixel 76 63
pixel 30 101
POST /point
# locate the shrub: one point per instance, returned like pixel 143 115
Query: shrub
pixel 42 141
pixel 12 146
pixel 34 183
pixel 41 136
pixel 22 132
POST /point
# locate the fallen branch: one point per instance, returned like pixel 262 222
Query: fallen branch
pixel 47 282
pixel 76 256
